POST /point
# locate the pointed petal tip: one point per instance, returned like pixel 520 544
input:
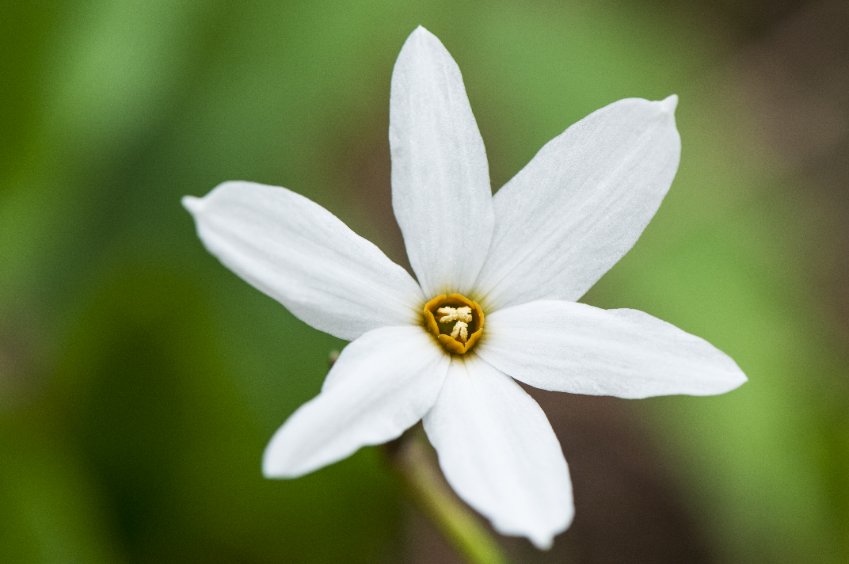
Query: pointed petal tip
pixel 724 382
pixel 734 378
pixel 270 473
pixel 191 203
pixel 421 34
pixel 274 469
pixel 271 458
pixel 669 103
pixel 541 537
pixel 543 543
pixel 739 379
pixel 268 469
pixel 544 540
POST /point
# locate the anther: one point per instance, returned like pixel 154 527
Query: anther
pixel 461 331
pixel 450 314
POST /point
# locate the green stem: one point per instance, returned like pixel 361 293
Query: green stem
pixel 416 467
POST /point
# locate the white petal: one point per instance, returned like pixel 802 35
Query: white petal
pixel 499 453
pixel 382 384
pixel 573 347
pixel 581 203
pixel 440 178
pixel 304 257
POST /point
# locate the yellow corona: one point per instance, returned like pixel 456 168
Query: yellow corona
pixel 455 320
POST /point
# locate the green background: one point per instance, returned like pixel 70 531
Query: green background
pixel 140 380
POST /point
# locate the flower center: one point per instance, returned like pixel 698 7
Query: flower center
pixel 455 321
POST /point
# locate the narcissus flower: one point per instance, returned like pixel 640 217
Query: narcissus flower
pixel 493 301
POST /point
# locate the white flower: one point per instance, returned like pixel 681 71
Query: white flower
pixel 498 279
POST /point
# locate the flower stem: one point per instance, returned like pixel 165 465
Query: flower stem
pixel 413 463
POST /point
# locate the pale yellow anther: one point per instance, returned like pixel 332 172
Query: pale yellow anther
pixel 450 314
pixel 461 331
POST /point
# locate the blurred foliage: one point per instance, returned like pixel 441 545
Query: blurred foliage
pixel 140 381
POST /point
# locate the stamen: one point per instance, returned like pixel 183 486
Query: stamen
pixel 461 331
pixel 450 314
